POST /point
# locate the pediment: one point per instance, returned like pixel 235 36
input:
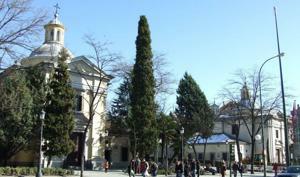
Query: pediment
pixel 82 65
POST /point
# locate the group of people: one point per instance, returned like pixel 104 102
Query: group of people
pixel 236 167
pixel 186 168
pixel 137 166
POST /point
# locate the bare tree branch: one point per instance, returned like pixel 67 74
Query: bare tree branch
pixel 250 113
pixel 20 24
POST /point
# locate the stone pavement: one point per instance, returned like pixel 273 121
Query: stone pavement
pixel 119 173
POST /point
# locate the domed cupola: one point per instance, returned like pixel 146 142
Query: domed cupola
pixel 54 31
pixel 245 96
pixel 53 43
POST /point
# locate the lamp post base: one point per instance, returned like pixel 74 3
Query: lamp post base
pixel 39 174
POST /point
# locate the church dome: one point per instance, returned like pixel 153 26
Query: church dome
pixel 49 50
pixel 54 42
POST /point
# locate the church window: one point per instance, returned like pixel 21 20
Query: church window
pixel 52 35
pixel 277 133
pixel 78 103
pixel 58 36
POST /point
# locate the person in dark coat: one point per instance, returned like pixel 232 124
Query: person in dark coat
pixel 193 168
pixel 235 168
pixel 198 168
pixel 178 169
pixel 275 168
pixel 130 169
pixel 223 170
pixel 186 171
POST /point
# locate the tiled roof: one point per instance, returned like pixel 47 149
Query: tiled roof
pixel 214 139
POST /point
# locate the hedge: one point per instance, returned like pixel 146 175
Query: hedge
pixel 33 170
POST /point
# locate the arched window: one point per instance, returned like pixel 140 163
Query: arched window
pixel 58 36
pixel 52 35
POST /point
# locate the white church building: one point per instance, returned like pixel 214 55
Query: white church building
pixel 224 134
pixel 79 66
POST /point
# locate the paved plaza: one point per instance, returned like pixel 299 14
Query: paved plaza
pixel 119 173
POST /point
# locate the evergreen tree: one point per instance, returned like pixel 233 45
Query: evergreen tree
pixel 119 113
pixel 59 120
pixel 167 133
pixel 192 110
pixel 16 125
pixel 37 85
pixel 142 98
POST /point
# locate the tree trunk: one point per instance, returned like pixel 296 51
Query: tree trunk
pixel 252 154
pixel 167 160
pixel 268 151
pixel 163 142
pixel 237 134
pixel 238 147
pixel 194 148
pixel 204 151
pixel 135 141
pixel 82 154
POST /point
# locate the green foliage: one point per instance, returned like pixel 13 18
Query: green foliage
pixel 32 171
pixel 37 85
pixel 162 171
pixel 167 128
pixel 59 120
pixel 142 98
pixel 193 110
pixel 120 108
pixel 16 109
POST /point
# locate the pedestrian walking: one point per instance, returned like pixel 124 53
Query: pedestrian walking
pixel 193 168
pixel 223 169
pixel 130 168
pixel 144 168
pixel 154 169
pixel 137 169
pixel 241 168
pixel 186 170
pixel 235 168
pixel 106 166
pixel 275 168
pixel 178 168
pixel 198 168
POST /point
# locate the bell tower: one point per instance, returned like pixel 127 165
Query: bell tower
pixel 54 30
pixel 245 96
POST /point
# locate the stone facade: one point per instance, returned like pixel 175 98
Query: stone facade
pixel 85 77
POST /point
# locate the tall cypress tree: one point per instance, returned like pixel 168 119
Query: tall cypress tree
pixel 142 98
pixel 59 120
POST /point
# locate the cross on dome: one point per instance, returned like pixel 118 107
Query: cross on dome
pixel 56 10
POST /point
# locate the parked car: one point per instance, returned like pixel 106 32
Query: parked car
pixel 291 171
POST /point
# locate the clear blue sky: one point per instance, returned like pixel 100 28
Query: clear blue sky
pixel 210 39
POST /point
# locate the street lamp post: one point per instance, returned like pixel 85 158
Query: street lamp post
pixel 287 153
pixel 182 150
pixel 261 111
pixel 39 171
